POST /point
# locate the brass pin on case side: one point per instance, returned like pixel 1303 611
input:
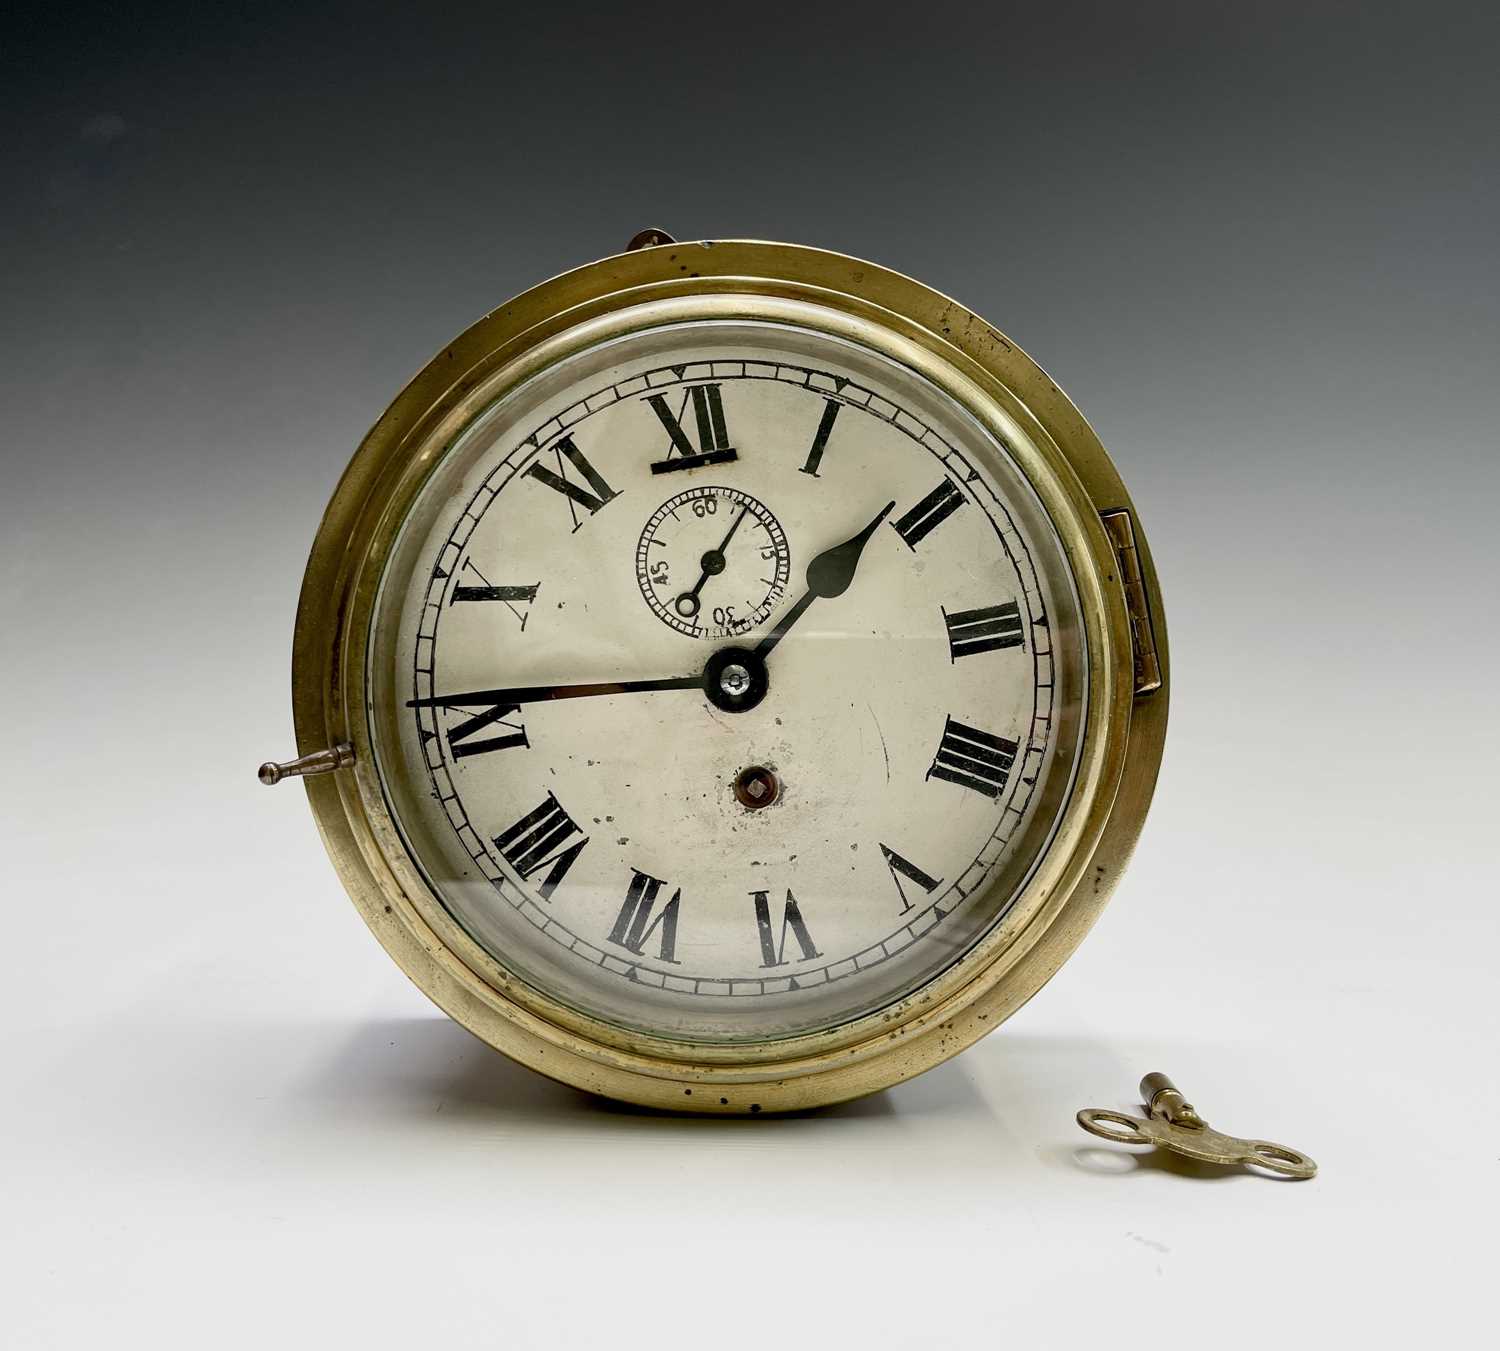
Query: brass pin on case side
pixel 315 762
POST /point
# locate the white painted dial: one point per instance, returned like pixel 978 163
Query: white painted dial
pixel 703 558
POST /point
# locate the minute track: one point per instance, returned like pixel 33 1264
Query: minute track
pixel 569 920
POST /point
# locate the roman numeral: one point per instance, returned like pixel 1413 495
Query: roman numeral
pixel 973 631
pixel 713 437
pixel 632 928
pixel 973 759
pixel 772 950
pixel 900 868
pixel 461 739
pixel 541 839
pixel 929 513
pixel 512 597
pixel 596 495
pixel 506 593
pixel 820 440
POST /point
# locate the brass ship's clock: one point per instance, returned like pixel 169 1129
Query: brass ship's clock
pixel 740 674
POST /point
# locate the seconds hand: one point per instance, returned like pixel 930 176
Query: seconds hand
pixel 712 563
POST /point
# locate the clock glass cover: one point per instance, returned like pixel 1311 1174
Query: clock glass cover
pixel 726 680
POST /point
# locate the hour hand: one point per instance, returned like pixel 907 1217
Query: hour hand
pixel 828 575
pixel 533 694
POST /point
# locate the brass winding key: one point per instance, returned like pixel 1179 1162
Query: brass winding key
pixel 1172 1122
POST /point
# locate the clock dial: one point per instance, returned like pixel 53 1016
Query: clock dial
pixel 726 680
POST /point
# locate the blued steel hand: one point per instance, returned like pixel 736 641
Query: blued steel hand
pixel 712 562
pixel 828 575
pixel 532 694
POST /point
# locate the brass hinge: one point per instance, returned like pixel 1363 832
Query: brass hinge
pixel 1143 637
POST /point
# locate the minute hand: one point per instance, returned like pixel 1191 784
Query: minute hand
pixel 828 575
pixel 532 694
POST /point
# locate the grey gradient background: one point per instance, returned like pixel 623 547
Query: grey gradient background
pixel 1255 243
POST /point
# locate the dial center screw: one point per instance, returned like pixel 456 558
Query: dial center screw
pixel 735 679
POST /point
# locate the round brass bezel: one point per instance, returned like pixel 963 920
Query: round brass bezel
pixel 1121 740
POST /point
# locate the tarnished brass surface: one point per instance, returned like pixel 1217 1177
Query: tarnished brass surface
pixel 1172 1122
pixel 1121 742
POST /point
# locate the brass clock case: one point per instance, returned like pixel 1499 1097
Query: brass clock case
pixel 1124 634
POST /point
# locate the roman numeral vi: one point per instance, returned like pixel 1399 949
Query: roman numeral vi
pixel 635 925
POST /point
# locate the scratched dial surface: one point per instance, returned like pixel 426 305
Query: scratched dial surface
pixel 622 587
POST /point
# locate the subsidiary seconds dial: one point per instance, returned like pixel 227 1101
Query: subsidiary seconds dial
pixel 712 562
